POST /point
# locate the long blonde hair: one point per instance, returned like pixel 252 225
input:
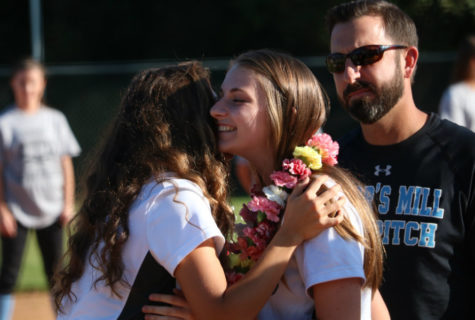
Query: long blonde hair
pixel 297 107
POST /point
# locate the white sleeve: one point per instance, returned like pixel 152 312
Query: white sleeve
pixel 68 142
pixel 329 257
pixel 450 109
pixel 177 223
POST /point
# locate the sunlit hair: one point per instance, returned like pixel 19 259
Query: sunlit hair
pixel 163 125
pixel 297 106
pixel 466 52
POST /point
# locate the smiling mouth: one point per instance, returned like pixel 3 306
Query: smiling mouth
pixel 223 128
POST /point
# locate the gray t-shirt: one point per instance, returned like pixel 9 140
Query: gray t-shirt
pixel 31 147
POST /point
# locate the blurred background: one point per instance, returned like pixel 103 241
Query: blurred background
pixel 92 48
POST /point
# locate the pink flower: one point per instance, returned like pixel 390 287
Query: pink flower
pixel 283 179
pixel 255 252
pixel 326 146
pixel 261 214
pixel 287 165
pixel 297 167
pixel 270 208
pixel 254 235
pixel 265 230
pixel 306 173
pixel 242 242
pixel 247 251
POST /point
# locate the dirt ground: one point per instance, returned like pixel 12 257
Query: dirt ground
pixel 33 305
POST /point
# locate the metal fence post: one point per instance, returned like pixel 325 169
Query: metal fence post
pixel 37 45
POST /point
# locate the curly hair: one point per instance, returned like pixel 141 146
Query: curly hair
pixel 163 125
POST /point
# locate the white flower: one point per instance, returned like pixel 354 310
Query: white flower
pixel 276 194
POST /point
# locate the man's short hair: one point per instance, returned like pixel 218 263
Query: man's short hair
pixel 397 24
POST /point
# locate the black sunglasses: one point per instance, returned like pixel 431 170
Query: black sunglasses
pixel 361 56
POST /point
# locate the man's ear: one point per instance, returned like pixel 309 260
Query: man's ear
pixel 410 59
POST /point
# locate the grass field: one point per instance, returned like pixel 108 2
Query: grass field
pixel 32 277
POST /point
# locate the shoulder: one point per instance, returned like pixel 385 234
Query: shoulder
pixel 330 256
pixel 173 192
pixel 456 145
pixel 7 112
pixel 457 91
pixel 349 144
pixel 455 88
pixel 452 137
pixel 51 112
pixel 10 117
pixel 186 187
pixel 349 208
pixel 170 201
pixel 177 219
pixel 349 138
pixel 460 87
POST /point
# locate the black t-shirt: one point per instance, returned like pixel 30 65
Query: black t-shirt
pixel 423 189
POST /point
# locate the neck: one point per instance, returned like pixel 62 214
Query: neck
pixel 470 82
pixel 29 107
pixel 400 123
pixel 263 166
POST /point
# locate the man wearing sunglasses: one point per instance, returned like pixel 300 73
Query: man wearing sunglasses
pixel 419 169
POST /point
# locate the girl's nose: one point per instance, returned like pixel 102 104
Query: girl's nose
pixel 218 110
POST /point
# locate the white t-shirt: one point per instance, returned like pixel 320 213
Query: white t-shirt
pixel 458 105
pixel 167 222
pixel 31 148
pixel 324 258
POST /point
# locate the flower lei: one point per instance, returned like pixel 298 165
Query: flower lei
pixel 263 213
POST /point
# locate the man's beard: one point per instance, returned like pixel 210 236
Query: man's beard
pixel 368 110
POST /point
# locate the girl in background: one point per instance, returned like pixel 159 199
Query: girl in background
pixel 458 101
pixel 37 178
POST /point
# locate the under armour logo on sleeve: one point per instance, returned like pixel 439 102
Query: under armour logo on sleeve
pixel 386 171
